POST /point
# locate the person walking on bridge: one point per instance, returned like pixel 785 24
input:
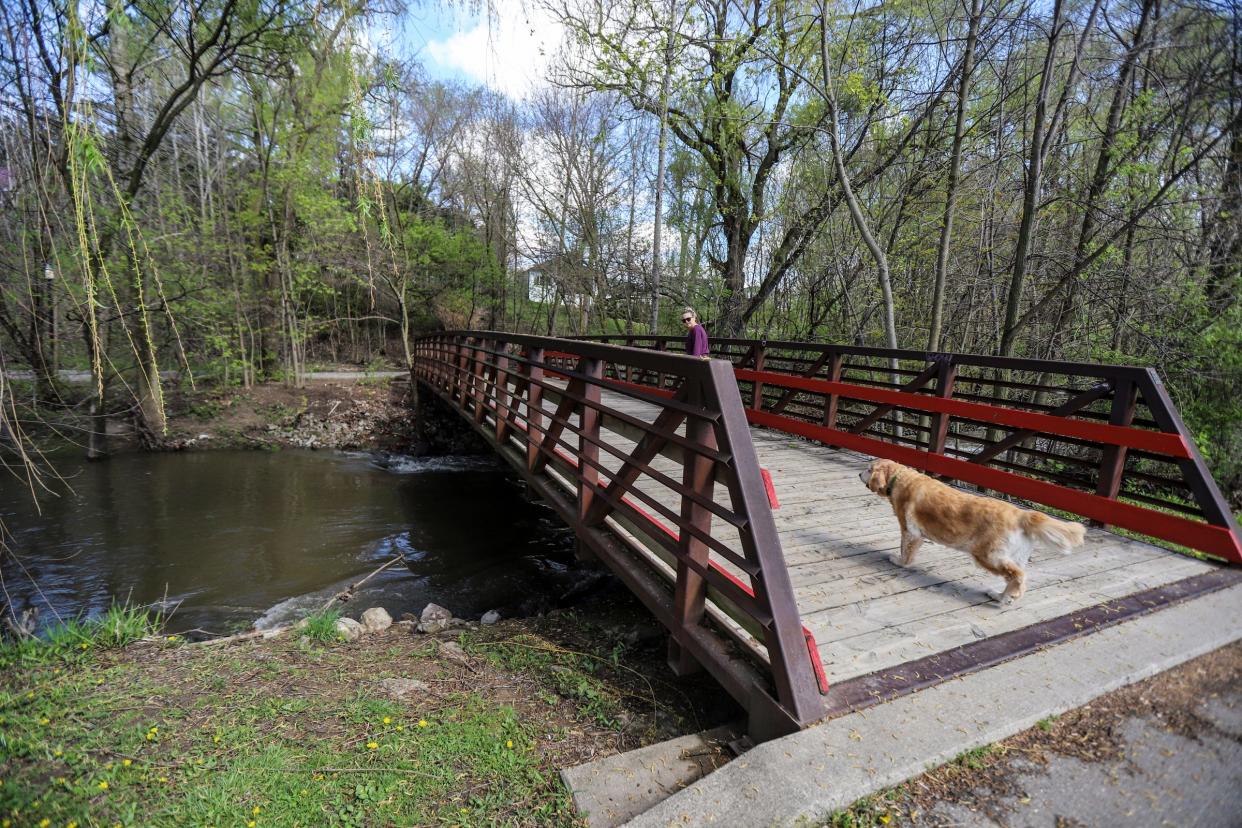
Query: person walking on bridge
pixel 696 336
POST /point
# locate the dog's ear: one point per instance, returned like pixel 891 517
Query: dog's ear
pixel 880 472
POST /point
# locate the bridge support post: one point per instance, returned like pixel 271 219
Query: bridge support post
pixel 588 446
pixel 690 592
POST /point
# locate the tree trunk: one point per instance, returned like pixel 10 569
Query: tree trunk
pixel 955 164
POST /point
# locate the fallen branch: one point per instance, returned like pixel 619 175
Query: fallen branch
pixel 348 592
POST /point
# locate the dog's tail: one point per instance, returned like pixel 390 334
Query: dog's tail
pixel 1060 534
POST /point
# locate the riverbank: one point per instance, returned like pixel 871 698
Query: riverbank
pixel 334 410
pixel 463 727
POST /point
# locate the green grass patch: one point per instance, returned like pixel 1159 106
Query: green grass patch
pixel 975 758
pixel 269 734
pixel 122 624
pixel 322 626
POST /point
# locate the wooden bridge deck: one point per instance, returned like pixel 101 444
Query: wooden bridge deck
pixel 868 613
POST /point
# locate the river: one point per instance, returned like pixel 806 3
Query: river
pixel 231 538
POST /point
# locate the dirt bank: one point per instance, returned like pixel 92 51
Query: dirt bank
pixel 365 413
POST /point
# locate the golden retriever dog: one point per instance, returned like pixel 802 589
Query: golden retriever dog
pixel 999 536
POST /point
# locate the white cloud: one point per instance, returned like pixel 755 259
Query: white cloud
pixel 510 53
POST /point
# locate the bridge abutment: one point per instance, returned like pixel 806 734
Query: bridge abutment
pixel 438 427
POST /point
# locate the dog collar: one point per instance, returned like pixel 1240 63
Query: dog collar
pixel 888 491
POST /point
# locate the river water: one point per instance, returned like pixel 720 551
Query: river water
pixel 231 538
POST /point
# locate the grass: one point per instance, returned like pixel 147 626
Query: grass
pixel 270 733
pixel 322 626
pixel 122 624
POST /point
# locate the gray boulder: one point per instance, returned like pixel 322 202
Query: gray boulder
pixel 349 629
pixel 490 617
pixel 376 619
pixel 434 618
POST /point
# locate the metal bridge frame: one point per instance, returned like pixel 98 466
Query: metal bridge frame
pixel 748 636
pixel 1103 442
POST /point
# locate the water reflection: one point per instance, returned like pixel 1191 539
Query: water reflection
pixel 231 535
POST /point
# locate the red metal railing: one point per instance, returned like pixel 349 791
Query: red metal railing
pixel 1101 441
pixel 661 484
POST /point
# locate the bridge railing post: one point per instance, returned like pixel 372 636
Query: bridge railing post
pixel 534 404
pixel 756 397
pixel 946 375
pixel 690 590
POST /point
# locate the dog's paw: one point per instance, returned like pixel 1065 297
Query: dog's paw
pixel 1000 598
pixel 896 560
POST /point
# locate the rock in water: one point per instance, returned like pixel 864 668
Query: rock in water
pixel 404 688
pixel 349 629
pixel 376 619
pixel 434 619
pixel 490 617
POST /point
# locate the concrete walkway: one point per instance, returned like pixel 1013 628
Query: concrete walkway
pixel 803 778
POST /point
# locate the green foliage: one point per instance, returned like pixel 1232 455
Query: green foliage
pixel 121 625
pixel 208 739
pixel 322 626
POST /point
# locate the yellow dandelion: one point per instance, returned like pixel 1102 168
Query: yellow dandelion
pixel 83 645
pixel 250 824
pixel 215 740
pixel 98 681
pixel 103 786
pixel 44 720
pixel 127 762
pixel 72 825
pixel 43 823
pixel 257 810
pixel 55 670
pixel 422 722
pixel 198 761
pixel 162 779
pixel 150 737
pixel 30 695
pixel 387 720
pixel 7 823
pixel 58 752
pixel 400 727
pixel 372 745
pixel 509 744
pixel 154 729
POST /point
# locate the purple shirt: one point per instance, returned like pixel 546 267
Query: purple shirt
pixel 696 341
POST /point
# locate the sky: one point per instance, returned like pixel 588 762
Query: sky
pixel 508 54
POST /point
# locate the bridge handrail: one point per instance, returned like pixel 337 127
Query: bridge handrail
pixel 1101 441
pixel 539 402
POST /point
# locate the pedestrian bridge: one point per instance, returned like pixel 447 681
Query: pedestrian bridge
pixel 725 493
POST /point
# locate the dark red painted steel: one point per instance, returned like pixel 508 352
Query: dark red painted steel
pixel 499 381
pixel 1082 461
